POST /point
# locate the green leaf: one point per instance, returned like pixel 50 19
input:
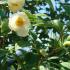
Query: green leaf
pixel 41 67
pixel 57 25
pixel 53 58
pixel 33 18
pixel 50 3
pixel 66 64
pixel 3 52
pixel 5 29
pixel 68 26
pixel 12 67
pixel 67 8
pixel 34 35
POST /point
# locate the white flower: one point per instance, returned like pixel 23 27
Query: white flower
pixel 15 5
pixel 20 23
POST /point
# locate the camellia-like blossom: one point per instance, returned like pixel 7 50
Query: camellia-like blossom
pixel 19 22
pixel 15 5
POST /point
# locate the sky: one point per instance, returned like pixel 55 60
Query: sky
pixel 42 8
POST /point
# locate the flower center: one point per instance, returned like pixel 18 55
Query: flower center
pixel 14 4
pixel 20 21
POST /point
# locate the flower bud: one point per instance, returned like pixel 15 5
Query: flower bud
pixel 67 43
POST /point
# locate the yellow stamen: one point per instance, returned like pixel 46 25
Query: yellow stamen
pixel 14 4
pixel 20 21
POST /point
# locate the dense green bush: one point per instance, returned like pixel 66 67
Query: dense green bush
pixel 47 47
